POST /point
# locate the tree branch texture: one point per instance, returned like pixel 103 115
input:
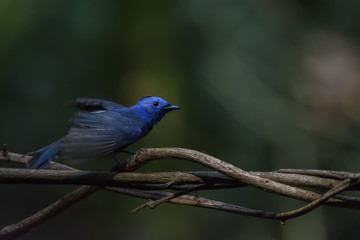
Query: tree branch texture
pixel 286 182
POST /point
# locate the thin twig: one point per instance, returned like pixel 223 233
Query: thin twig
pixel 217 205
pixel 187 200
pixel 320 173
pixel 154 203
pixel 15 230
pixel 316 203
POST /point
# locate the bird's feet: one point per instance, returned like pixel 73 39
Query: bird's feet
pixel 119 166
pixel 131 153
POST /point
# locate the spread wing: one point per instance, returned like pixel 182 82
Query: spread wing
pixel 97 135
pixel 94 104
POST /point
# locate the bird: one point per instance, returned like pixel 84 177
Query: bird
pixel 102 129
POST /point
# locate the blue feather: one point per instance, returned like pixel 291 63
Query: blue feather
pixel 42 156
pixel 103 129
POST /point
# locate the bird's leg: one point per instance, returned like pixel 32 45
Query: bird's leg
pixel 118 166
pixel 131 153
pixel 117 161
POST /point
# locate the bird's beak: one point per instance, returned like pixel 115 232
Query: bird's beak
pixel 171 107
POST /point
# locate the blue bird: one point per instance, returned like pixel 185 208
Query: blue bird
pixel 102 129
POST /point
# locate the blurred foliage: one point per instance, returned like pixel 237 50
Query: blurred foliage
pixel 262 84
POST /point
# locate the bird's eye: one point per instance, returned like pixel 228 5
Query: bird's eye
pixel 155 104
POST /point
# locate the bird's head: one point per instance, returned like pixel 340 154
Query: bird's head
pixel 155 108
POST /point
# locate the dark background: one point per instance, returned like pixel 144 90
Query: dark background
pixel 262 85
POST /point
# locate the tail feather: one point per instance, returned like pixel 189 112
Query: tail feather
pixel 43 156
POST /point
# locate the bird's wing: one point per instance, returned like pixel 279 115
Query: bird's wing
pixel 97 135
pixel 94 104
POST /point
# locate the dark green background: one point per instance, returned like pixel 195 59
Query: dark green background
pixel 262 85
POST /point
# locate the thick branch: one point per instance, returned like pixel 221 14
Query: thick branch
pixel 108 178
pixel 266 181
pixel 27 176
pixel 144 155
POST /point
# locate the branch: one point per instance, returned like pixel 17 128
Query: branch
pixel 321 173
pixel 16 230
pixel 23 159
pixel 30 176
pixel 217 205
pixel 196 202
pixel 227 175
pixel 144 155
pixel 316 203
pixel 152 204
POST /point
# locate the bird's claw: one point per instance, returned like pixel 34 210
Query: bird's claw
pixel 117 167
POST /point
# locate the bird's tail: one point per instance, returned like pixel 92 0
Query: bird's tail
pixel 42 157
